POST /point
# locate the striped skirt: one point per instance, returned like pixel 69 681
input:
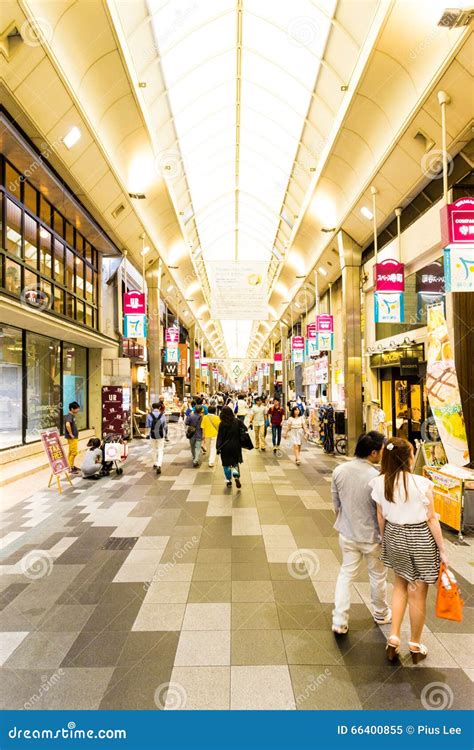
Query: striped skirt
pixel 411 551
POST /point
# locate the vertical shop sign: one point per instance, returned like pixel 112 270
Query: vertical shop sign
pixel 134 303
pixel 457 222
pixel 278 361
pixel 297 343
pixel 311 330
pixel 459 268
pixel 324 342
pixel 324 323
pixel 172 336
pixel 389 307
pixel 442 388
pixel 389 276
pixel 134 327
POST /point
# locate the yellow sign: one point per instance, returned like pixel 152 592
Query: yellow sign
pixel 447 495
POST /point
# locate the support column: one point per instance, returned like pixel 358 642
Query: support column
pixel 284 364
pixel 153 280
pixel 350 256
pixel 192 359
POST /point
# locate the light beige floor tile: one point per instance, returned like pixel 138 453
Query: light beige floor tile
pixel 199 688
pixel 130 573
pixel 203 648
pixel 9 642
pixel 144 556
pixel 152 617
pixel 151 542
pixel 261 687
pixel 252 591
pixel 174 572
pixel 207 617
pixel 168 592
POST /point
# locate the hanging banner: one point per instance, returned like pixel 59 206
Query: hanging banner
pixel 170 369
pixel 54 450
pixel 457 222
pixel 311 330
pixel 134 303
pixel 389 307
pixel 297 356
pixel 278 361
pixel 134 326
pixel 459 269
pixel 321 368
pixel 238 290
pixel 430 279
pixel 297 343
pixel 311 347
pixel 325 342
pixel 443 389
pixel 324 323
pixel 389 276
pixel 172 336
pixel 172 354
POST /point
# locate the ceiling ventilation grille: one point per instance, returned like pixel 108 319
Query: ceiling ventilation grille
pixel 117 211
pixel 453 18
pixel 424 140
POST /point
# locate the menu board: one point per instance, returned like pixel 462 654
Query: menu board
pixel 54 450
pixel 447 493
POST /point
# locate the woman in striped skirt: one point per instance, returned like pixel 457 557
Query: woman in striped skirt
pixel 412 541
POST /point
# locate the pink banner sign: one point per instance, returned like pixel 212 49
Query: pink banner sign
pixel 311 330
pixel 324 323
pixel 389 276
pixel 134 303
pixel 457 222
pixel 172 335
pixel 54 450
pixel 297 343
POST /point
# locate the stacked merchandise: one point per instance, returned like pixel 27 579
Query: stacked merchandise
pixel 326 427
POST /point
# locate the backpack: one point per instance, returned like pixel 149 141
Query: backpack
pixel 157 429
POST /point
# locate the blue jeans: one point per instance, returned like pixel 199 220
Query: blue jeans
pixel 196 444
pixel 231 471
pixel 276 434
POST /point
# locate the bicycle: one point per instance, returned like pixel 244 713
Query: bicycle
pixel 341 445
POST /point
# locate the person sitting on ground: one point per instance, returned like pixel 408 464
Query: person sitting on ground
pixel 359 535
pixel 92 463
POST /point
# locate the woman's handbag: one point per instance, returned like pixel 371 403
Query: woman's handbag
pixel 449 602
pixel 245 440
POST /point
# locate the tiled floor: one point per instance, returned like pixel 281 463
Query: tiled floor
pixel 205 598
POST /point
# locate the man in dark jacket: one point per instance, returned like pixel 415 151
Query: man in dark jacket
pixel 194 433
pixel 229 445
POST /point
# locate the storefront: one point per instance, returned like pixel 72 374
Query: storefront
pixel 39 377
pixel 401 373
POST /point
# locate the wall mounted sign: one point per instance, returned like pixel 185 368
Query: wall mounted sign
pixel 457 222
pixel 389 276
pixel 459 269
pixel 325 342
pixel 409 366
pixel 389 307
pixel 311 330
pixel 297 343
pixel 442 388
pixel 134 326
pixel 324 323
pixel 134 303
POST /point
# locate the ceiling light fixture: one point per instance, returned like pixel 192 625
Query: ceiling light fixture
pixel 145 250
pixel 322 271
pixel 366 212
pixel 71 138
pixel 170 288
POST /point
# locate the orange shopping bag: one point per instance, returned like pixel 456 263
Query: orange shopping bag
pixel 449 602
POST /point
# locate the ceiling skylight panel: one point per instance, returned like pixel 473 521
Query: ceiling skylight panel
pixel 200 107
pixel 204 75
pixel 279 108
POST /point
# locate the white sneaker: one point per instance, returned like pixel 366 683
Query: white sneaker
pixel 386 620
pixel 340 629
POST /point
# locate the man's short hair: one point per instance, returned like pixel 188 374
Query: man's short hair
pixel 368 442
pixel 74 405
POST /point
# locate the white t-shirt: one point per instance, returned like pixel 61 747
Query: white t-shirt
pixel 92 459
pixel 404 510
pixel 258 413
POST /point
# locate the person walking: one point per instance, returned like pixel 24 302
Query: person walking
pixel 157 426
pixel 92 463
pixel 359 535
pixel 229 445
pixel 412 542
pixel 210 425
pixel 241 408
pixel 276 414
pixel 296 430
pixel 194 433
pixel 257 422
pixel 71 433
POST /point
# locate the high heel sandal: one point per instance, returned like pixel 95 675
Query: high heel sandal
pixel 418 651
pixel 392 649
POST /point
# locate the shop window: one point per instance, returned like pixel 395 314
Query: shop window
pixel 90 295
pixel 69 234
pixel 75 381
pixel 59 262
pixel 58 223
pixel 43 384
pixel 70 269
pixel 89 316
pixel 11 394
pixel 12 181
pixel 30 280
pixel 58 304
pixel 31 242
pixel 31 198
pixel 12 277
pixel 80 317
pixel 70 306
pixel 45 211
pixel 80 286
pixel 88 251
pixel 47 288
pixel 13 229
pixel 46 261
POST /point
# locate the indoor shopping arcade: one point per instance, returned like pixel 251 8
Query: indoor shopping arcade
pixel 236 347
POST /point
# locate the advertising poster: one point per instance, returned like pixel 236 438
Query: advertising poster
pixel 54 450
pixel 447 495
pixel 389 307
pixel 238 290
pixel 443 389
pixel 459 269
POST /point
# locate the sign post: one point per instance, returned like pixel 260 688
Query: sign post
pixel 54 450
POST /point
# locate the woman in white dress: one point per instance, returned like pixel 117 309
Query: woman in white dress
pixel 296 430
